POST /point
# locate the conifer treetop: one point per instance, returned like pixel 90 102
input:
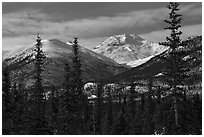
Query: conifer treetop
pixel 173 41
pixel 75 40
pixel 38 39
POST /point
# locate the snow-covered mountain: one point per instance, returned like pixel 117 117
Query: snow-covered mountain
pixel 155 66
pixel 130 49
pixel 94 65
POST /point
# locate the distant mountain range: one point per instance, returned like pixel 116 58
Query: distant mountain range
pixel 120 58
pixel 131 50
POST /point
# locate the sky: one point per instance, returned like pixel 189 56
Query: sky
pixel 92 22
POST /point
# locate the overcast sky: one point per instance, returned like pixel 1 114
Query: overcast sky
pixel 92 22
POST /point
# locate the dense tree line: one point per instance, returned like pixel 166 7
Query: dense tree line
pixel 110 109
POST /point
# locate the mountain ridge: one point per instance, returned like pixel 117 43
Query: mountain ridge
pixel 94 65
pixel 129 49
pixel 156 65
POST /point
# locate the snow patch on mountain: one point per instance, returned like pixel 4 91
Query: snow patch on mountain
pixel 139 61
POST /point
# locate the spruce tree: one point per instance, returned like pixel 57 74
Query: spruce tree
pixel 77 86
pixel 78 93
pixel 76 69
pixel 175 69
pixel 40 122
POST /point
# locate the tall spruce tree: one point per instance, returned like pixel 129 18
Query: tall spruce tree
pixel 40 122
pixel 175 69
pixel 76 70
pixel 78 88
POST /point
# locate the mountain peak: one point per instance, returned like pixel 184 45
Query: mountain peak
pixel 128 48
pixel 121 39
pixel 54 45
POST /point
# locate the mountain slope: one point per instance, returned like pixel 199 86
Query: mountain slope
pixel 131 49
pixel 94 66
pixel 156 65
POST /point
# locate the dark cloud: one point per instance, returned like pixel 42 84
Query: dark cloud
pixel 30 21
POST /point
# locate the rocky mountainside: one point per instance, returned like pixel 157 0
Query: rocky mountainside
pixel 94 66
pixel 131 50
pixel 156 65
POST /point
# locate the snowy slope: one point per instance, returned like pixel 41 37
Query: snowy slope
pixel 155 66
pixel 130 49
pixel 94 65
